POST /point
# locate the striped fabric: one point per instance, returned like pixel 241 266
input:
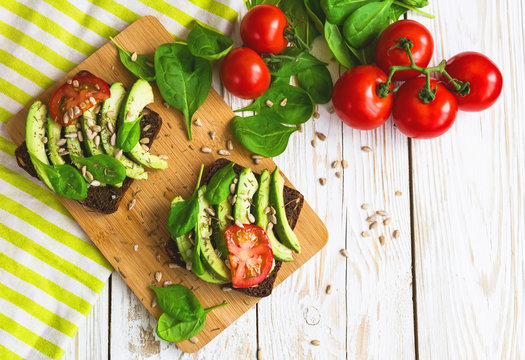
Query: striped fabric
pixel 50 273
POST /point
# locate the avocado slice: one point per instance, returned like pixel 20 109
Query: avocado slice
pixel 35 132
pixel 108 122
pixel 246 188
pixel 220 225
pixel 54 131
pixel 261 203
pixel 73 144
pixel 140 95
pixel 214 264
pixel 184 244
pixel 86 119
pixel 282 228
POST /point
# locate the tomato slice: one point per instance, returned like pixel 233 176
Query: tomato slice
pixel 76 96
pixel 251 255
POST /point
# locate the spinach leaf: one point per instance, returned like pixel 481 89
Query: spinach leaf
pixel 316 14
pixel 317 81
pixel 251 3
pixel 142 67
pixel 66 179
pixel 297 15
pixel 415 3
pixel 197 266
pixel 208 44
pixel 183 216
pixel 179 302
pixel 366 23
pixel 171 329
pixel 128 134
pixel 184 80
pixel 298 107
pixel 291 62
pixel 337 11
pixel 396 12
pixel 218 187
pixel 338 46
pixel 104 168
pixel 262 134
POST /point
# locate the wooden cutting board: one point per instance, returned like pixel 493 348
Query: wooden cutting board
pixel 116 234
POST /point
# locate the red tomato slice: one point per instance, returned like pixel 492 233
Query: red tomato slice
pixel 76 96
pixel 251 254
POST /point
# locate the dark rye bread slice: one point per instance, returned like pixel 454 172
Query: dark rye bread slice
pixel 293 200
pixel 105 199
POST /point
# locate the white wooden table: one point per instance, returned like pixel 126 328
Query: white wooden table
pixel 450 287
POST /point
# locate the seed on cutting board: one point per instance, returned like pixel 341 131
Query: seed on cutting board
pixel 365 206
pixel 269 103
pixel 239 224
pixel 328 289
pixel 338 174
pixel 194 340
pixel 366 149
pixel 373 225
pixel 322 181
pixel 118 154
pixel 344 253
pixel 382 239
pixel 396 234
pixel 210 211
pixel 75 83
pixel 223 152
pixel 205 150
pixel 158 276
pixel 197 122
pixel 135 247
pixel 72 135
pixel 188 265
pixel 229 145
pixel 321 136
pixel 212 135
pixel 398 193
pixel 133 56
pixel 381 213
pixel 315 342
pixel 251 218
pixel 144 140
pixel 365 234
pixel 335 164
pixel 154 302
pixel 226 288
pixel 167 283
pixel 317 115
pixel 257 161
pixel 344 164
pixel 132 203
pixel 387 221
pixel 166 105
pixel 255 156
pixel 173 266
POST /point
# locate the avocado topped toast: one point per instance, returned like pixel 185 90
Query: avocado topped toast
pixel 90 140
pixel 180 248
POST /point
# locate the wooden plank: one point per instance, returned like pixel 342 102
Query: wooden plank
pixel 116 234
pixel 468 199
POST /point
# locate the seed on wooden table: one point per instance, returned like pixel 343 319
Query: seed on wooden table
pixel 223 152
pixel 251 218
pixel 144 140
pixel 387 221
pixel 239 224
pixel 205 150
pixel 257 161
pixel 158 276
pixel 371 218
pixel 317 115
pixel 344 164
pixel 118 154
pixel 338 174
pixel 210 211
pixel 197 122
pixel 75 83
pixel 167 283
pixel 283 102
pixel 322 181
pixel 113 139
pixel 398 193
pixel 229 145
pixel 255 156
pixel 194 340
pixel 328 289
pixel 135 247
pixel 212 135
pixel 133 56
pixel 166 105
pixel 381 213
pixel 146 128
pixel 154 302
pixel 157 257
pixel 300 127
pixel 365 234
pixel 315 342
pixel 335 164
pixel 331 110
pixel 132 203
pixel 173 266
pixel 226 288
pixel 61 142
pixel 269 103
pixel 365 206
pixel 314 143
pixel 344 253
pixel 366 148
pixel 321 136
pixel 373 225
pixel 382 239
pixel 396 234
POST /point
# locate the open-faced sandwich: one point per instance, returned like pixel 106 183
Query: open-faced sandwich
pixel 237 228
pixel 93 141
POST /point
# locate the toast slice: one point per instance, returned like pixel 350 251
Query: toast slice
pixel 293 200
pixel 105 199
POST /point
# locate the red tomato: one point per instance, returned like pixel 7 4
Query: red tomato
pixel 484 77
pixel 262 29
pixel 423 47
pixel 356 101
pixel 251 255
pixel 418 120
pixel 245 74
pixel 69 101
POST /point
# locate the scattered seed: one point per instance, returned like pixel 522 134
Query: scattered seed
pixel 71 135
pixel 300 127
pixel 387 221
pixel 146 128
pixel 132 203
pixel 255 156
pixel 167 283
pixel 69 81
pixel 269 227
pixel 149 63
pixel 89 176
pixel 61 142
pixel 267 210
pixel 226 289
pixel 92 100
pixel 396 234
pixel 381 213
pixel 335 164
pixel 97 109
pixel 95 183
pixel 232 188
pixel 113 139
pixel 239 224
pixel 118 154
pixel 97 87
pixel 331 110
pixel 66 118
pixel 154 302
pixel 317 115
pixel 344 253
pixel 97 140
pixel 328 289
pixel 157 257
pixel 212 135
pixel 223 152
pixel 234 199
pixel 75 83
pixel 338 174
pixel 251 218
pixel 269 103
pixel 229 145
pixel 366 149
pixel 194 340
pixel 145 147
pixel 135 247
pixel 314 143
pixel 163 157
pixel 173 266
pixel 398 193
pixel 44 140
pixel 365 206
pixel 158 276
pixel 69 146
pixel 315 342
pixel 229 217
pixel 188 265
pixel 76 110
pixel 365 234
pixel 84 169
pixel 373 226
pixel 322 181
pixel 64 153
pixel 166 105
pixel 257 161
pixel 344 164
pixel 197 122
pixel 82 105
pixel 96 128
pixel 382 239
pixel 189 252
pixel 133 56
pixel 205 150
pixel 210 211
pixel 273 219
pixel 321 136
pixel 371 218
pixel 144 140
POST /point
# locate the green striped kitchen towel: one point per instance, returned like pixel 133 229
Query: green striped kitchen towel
pixel 50 273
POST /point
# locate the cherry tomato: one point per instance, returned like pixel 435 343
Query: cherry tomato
pixel 70 100
pixel 251 255
pixel 484 77
pixel 422 49
pixel 356 101
pixel 262 29
pixel 245 74
pixel 418 120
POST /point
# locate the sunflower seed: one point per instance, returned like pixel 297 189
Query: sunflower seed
pixel 234 199
pixel 113 139
pixel 273 219
pixel 80 136
pixel 132 203
pixel 149 63
pixel 61 142
pixel 366 149
pixel 205 150
pixel 223 152
pixel 44 140
pixel 251 218
pixel 283 103
pixel 69 81
pixel 146 128
pixel 76 110
pixel 371 218
pixel 255 156
pixel 167 283
pixel 82 105
pixel 97 87
pixel 64 153
pixel 344 253
pixel 267 210
pixel 317 115
pixel 69 146
pixel 331 110
pixel 173 266
pixel 382 239
pixel 396 234
pixel 158 276
pixel 212 135
pixel 335 164
pixel 232 188
pixel 97 109
pixel 229 217
pixel 328 289
pixel 226 289
pixel 229 145
pixel 322 181
pixel 118 154
pixel 188 265
pixel 398 193
pixel 90 134
pixel 197 122
pixel 272 209
pixel 145 147
pixel 97 141
pixel 144 140
pixel 154 302
pixel 135 247
pixel 166 105
pixel 95 183
pixel 92 100
pixel 344 164
pixel 133 56
pixel 235 180
pixel 96 128
pixel 239 224
pixel 381 213
pixel 315 342
pixel 269 227
pixel 75 83
pixel 84 169
pixel 321 136
pixel 387 221
pixel 365 234
pixel 269 103
pixel 373 225
pixel 194 340
pixel 365 206
pixel 300 127
pixel 314 143
pixel 163 157
pixel 89 176
pixel 210 211
pixel 66 118
pixel 338 174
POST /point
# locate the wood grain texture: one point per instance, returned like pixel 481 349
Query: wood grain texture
pixel 116 234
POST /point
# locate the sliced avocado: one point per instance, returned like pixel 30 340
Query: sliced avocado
pixel 108 122
pixel 35 132
pixel 246 188
pixel 214 264
pixel 54 130
pixel 220 225
pixel 184 244
pixel 282 228
pixel 87 120
pixel 140 95
pixel 261 203
pixel 73 144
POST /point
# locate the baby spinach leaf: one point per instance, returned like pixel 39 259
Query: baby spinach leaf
pixel 207 43
pixel 128 134
pixel 415 3
pixel 173 330
pixel 142 67
pixel 291 62
pixel 66 179
pixel 338 46
pixel 366 23
pixel 218 187
pixel 104 168
pixel 262 134
pixel 179 302
pixel 297 109
pixel 184 80
pixel 337 11
pixel 396 12
pixel 317 81
pixel 316 14
pixel 297 15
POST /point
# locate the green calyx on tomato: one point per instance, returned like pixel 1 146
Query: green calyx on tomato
pixel 77 95
pixel 251 255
